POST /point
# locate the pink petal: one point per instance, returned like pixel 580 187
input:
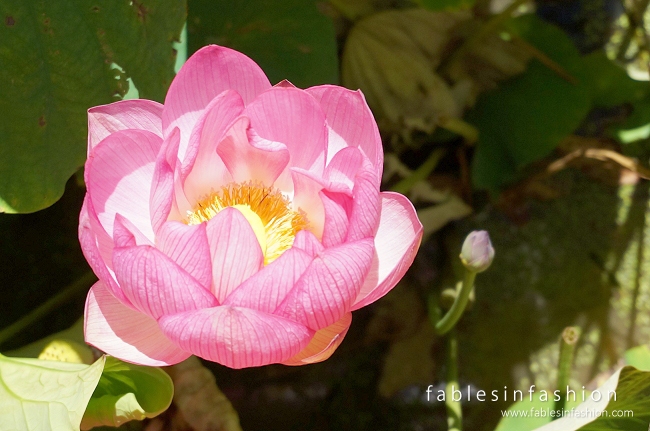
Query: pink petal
pixel 234 249
pixel 249 157
pixel 122 236
pixel 351 122
pixel 285 83
pixel 126 114
pixel 293 117
pixel 236 337
pixel 396 245
pixel 266 289
pixel 162 201
pixel 202 168
pixel 97 247
pixel 126 334
pixel 327 289
pixel 188 247
pixel 306 198
pixel 155 285
pixel 344 167
pixel 119 175
pixel 307 242
pixel 324 343
pixel 210 71
pixel 181 202
pixel 97 238
pixel 125 234
pixel 337 206
pixel 364 217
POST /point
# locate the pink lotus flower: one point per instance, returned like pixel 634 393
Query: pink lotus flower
pixel 238 222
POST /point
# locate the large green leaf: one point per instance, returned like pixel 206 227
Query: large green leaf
pixel 621 403
pixel 638 357
pixel 125 391
pixel 526 117
pixel 632 389
pixel 40 395
pixel 290 39
pixel 609 83
pixel 128 392
pixel 56 59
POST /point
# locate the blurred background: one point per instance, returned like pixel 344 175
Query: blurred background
pixel 530 120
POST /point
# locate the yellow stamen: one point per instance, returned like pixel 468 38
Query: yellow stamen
pixel 269 213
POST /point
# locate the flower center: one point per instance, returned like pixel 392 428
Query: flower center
pixel 267 210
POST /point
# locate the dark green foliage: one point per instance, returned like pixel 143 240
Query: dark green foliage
pixel 56 62
pixel 289 39
pixel 526 117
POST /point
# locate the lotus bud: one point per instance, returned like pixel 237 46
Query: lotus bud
pixel 477 252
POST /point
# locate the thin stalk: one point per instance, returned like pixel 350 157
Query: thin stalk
pixel 421 173
pixel 458 307
pixel 568 343
pixel 454 408
pixel 69 292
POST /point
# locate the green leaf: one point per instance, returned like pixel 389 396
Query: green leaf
pixel 609 84
pixel 128 392
pixel 38 395
pixel 124 392
pixel 138 36
pixel 632 389
pixel 289 39
pixel 56 61
pixel 494 165
pixel 638 357
pixel 632 394
pixel 526 117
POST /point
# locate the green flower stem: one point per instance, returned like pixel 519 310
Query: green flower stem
pixel 454 408
pixel 421 173
pixel 69 292
pixel 568 343
pixel 449 320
